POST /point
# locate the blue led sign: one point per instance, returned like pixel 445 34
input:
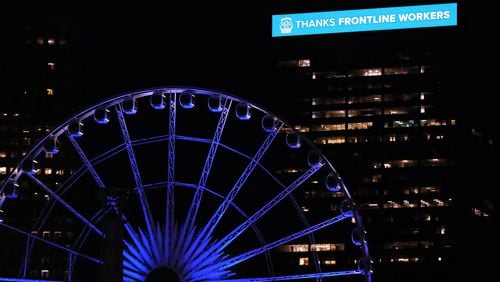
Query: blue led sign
pixel 365 20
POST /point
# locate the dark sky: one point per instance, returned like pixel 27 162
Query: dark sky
pixel 130 45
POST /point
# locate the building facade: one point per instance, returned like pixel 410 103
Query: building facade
pixel 385 107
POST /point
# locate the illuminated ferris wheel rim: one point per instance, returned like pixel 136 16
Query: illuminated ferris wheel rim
pixel 118 103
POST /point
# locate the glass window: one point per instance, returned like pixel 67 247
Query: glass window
pixel 330 140
pixel 3 154
pixel 359 125
pixel 303 261
pixel 304 63
pixel 363 138
pixel 301 128
pixel 328 127
pixel 402 97
pixel 327 101
pixel 363 112
pixel 401 70
pixel 51 65
pixel 366 72
pixel 50 91
pixel 364 99
pixel 3 170
pixel 328 114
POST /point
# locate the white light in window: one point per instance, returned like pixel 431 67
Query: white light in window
pixel 313 75
pixel 303 261
pixel 52 66
pixel 304 63
pixel 422 110
pixel 439 259
pixel 51 41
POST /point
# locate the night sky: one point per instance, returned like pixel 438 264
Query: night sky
pixel 131 46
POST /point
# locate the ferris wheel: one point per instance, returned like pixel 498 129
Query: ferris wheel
pixel 178 184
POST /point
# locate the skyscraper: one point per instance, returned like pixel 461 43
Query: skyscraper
pixel 384 106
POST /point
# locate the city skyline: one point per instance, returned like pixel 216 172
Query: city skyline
pixel 128 47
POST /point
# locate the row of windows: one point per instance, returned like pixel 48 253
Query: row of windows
pixel 46 171
pixel 404 191
pixel 403 204
pixel 304 261
pixel 412 163
pixel 378 138
pixel 399 70
pixel 369 124
pixel 302 248
pixel 367 112
pixel 375 98
pixel 49 41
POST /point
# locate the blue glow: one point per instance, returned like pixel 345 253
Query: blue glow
pixel 140 258
pixel 365 20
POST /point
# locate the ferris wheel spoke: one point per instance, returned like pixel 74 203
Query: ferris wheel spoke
pixel 148 217
pixel 65 204
pixel 224 242
pixel 86 161
pixel 49 242
pixel 195 204
pixel 169 208
pixel 300 276
pixel 82 237
pixel 250 254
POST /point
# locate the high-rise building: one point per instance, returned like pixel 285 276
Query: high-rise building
pixel 40 77
pixel 385 106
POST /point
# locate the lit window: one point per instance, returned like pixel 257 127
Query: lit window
pixel 301 128
pixel 313 76
pixel 330 262
pixel 364 99
pixel 304 63
pixel 50 91
pixel 51 41
pixel 39 41
pixel 366 72
pixel 327 101
pixel 46 234
pixel 303 261
pixel 52 66
pixel 422 110
pixel 328 114
pixel 59 171
pixel 328 127
pixel 442 230
pixel 330 140
pixel 359 125
pixel 363 112
pixel 3 154
pixel 57 234
pixel 401 70
pixel 44 273
pixel 440 259
pixel 47 171
pixel 3 170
